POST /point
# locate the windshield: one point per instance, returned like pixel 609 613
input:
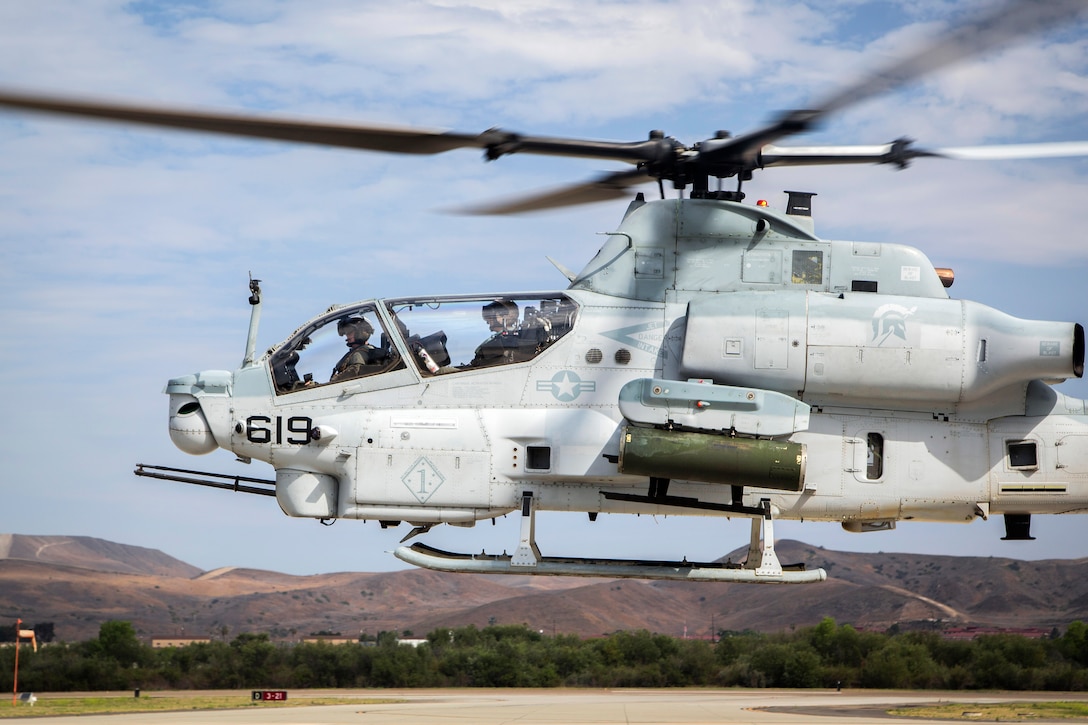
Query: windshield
pixel 443 334
pixel 457 334
pixel 344 345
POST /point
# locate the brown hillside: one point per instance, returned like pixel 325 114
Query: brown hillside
pixel 871 591
pixel 91 553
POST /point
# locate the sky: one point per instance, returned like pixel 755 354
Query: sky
pixel 125 253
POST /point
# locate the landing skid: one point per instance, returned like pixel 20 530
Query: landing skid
pixel 762 565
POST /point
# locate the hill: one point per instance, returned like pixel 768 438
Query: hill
pixel 90 553
pixel 78 583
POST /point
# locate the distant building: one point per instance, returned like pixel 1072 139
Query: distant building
pixel 176 641
pixel 968 633
pixel 329 639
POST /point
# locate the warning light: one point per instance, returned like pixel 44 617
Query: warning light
pixel 762 202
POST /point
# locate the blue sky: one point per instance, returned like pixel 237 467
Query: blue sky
pixel 125 254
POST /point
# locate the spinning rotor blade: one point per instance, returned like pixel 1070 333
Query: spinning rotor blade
pixel 1016 151
pixel 897 152
pixel 390 139
pixel 900 153
pixel 373 138
pixel 726 157
pixel 605 188
pixel 659 157
pixel 997 28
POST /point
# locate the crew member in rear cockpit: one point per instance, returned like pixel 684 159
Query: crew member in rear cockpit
pixel 504 345
pixel 355 331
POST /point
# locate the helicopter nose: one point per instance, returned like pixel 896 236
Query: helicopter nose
pixel 190 428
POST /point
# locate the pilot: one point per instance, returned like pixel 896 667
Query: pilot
pixel 355 331
pixel 504 345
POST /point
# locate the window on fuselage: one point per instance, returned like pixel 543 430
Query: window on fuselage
pixel 449 335
pixel 1023 455
pixel 874 460
pixel 807 267
pixel 343 345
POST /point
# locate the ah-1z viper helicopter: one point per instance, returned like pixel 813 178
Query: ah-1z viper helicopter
pixel 713 358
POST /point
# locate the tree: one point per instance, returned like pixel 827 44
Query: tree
pixel 44 633
pixel 900 664
pixel 254 654
pixel 117 641
pixel 786 665
pixel 1074 643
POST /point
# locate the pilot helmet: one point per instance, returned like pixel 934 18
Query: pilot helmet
pixel 362 329
pixel 504 311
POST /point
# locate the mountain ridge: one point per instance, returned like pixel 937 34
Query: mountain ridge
pixel 79 582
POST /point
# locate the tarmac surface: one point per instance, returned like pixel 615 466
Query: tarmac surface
pixel 578 707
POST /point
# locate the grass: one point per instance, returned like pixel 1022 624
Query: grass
pixel 999 711
pixel 48 706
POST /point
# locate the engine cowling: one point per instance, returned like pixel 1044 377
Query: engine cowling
pixel 912 352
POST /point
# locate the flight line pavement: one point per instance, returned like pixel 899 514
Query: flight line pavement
pixel 576 707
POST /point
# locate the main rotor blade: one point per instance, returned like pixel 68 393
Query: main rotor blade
pixel 390 139
pixel 998 27
pixel 604 188
pixel 1012 152
pixel 658 157
pixel 373 138
pixel 901 153
pixel 898 152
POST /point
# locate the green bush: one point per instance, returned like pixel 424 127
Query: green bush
pixel 827 655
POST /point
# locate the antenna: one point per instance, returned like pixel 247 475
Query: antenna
pixel 799 203
pixel 254 319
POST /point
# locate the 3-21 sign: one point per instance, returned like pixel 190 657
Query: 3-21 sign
pixel 269 695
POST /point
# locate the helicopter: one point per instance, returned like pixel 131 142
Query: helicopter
pixel 824 403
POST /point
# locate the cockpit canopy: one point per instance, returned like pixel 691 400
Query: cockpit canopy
pixel 432 335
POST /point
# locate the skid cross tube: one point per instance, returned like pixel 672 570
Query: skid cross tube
pixel 761 566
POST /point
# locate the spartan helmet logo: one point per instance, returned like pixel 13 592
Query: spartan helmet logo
pixel 889 320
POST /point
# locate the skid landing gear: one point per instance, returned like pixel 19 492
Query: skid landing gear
pixel 761 567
